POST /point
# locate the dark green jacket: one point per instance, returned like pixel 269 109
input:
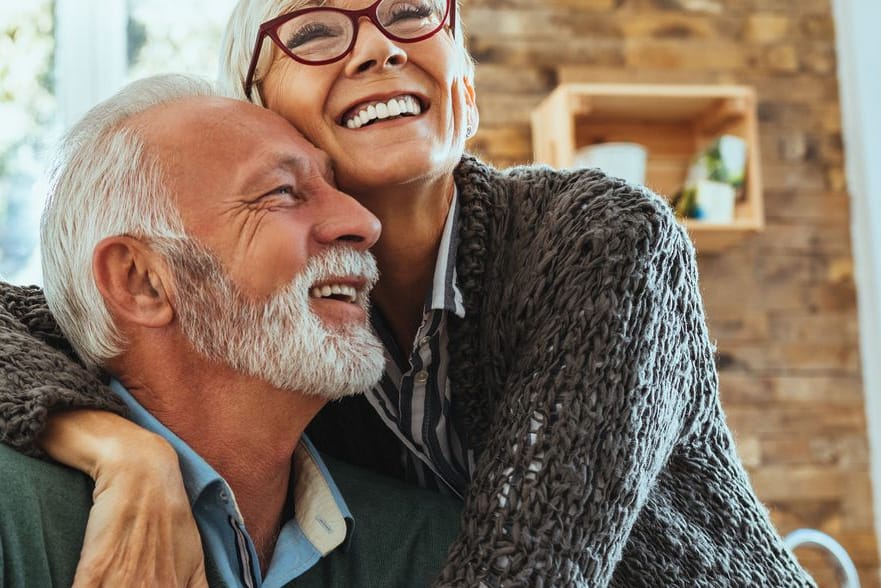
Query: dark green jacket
pixel 401 533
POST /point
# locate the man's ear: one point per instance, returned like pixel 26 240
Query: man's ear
pixel 134 281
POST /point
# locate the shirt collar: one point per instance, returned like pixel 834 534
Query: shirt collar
pixel 319 507
pixel 445 294
pixel 321 512
pixel 197 473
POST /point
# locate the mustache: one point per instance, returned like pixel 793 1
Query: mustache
pixel 341 262
pixel 194 265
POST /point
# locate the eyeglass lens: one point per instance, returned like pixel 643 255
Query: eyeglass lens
pixel 324 34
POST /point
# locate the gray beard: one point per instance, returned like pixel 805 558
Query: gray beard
pixel 278 340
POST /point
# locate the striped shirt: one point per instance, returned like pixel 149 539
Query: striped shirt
pixel 413 397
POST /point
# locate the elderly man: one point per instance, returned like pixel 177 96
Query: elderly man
pixel 196 249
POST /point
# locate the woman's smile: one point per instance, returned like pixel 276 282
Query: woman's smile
pixel 371 111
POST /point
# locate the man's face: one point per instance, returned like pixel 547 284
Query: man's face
pixel 279 269
pixel 278 340
pixel 257 194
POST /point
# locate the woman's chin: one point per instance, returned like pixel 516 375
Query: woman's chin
pixel 384 170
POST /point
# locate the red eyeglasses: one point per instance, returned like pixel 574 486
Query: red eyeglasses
pixel 321 35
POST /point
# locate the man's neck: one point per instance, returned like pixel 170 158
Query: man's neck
pixel 245 429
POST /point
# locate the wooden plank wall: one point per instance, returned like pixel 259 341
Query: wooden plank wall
pixel 783 305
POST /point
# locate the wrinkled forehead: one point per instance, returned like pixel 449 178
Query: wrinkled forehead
pixel 207 139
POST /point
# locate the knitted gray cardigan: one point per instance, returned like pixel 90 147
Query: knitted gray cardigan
pixel 582 375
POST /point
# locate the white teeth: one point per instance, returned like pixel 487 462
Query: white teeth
pixel 334 290
pixel 383 110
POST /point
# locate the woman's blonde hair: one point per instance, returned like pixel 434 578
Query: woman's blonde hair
pixel 241 34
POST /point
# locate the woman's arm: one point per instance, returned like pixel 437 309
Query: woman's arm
pixel 605 384
pixel 604 458
pixel 39 373
pixel 140 526
pixel 141 530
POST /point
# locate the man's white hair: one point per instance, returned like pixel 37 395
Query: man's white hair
pixel 106 181
pixel 241 34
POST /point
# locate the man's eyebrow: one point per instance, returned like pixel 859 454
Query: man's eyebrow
pixel 327 168
pixel 297 165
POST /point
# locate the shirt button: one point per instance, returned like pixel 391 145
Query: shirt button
pixel 421 377
pixel 424 341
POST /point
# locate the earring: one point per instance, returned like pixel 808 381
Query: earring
pixel 469 130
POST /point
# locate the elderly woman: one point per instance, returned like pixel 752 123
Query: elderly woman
pixel 547 355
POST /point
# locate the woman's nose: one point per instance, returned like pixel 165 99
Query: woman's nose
pixel 373 50
pixel 346 221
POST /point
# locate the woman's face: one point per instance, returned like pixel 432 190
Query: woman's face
pixel 321 100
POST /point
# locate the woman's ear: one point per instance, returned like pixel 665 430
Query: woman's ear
pixel 134 281
pixel 472 114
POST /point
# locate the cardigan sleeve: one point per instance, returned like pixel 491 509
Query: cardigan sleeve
pixel 39 372
pixel 604 385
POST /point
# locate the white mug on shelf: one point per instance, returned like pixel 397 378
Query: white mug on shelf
pixel 621 160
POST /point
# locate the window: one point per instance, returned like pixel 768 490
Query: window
pixel 175 35
pixel 27 109
pixel 60 57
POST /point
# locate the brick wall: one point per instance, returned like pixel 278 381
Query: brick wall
pixel 782 306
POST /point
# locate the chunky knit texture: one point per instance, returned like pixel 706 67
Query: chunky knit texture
pixel 37 371
pixel 582 376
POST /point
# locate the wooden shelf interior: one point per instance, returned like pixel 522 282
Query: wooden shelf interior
pixel 672 122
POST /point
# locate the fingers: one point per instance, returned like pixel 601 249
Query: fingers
pixel 141 530
pixel 198 579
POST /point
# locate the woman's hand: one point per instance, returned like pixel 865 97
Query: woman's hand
pixel 141 530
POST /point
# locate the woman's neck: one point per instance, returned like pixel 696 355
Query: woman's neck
pixel 412 226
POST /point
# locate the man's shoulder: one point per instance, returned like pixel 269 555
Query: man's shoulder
pixel 45 508
pixel 20 470
pixel 401 533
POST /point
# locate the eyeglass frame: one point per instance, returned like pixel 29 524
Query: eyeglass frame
pixel 270 29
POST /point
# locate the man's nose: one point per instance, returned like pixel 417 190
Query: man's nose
pixel 373 50
pixel 345 221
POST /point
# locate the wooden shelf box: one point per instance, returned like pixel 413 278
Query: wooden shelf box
pixel 673 123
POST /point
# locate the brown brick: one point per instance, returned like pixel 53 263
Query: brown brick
pixel 818 26
pixel 749 450
pixel 838 327
pixel 795 206
pixel 738 324
pixel 778 482
pixel 508 142
pixel 673 25
pixel 766 28
pixel 779 59
pixel 672 54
